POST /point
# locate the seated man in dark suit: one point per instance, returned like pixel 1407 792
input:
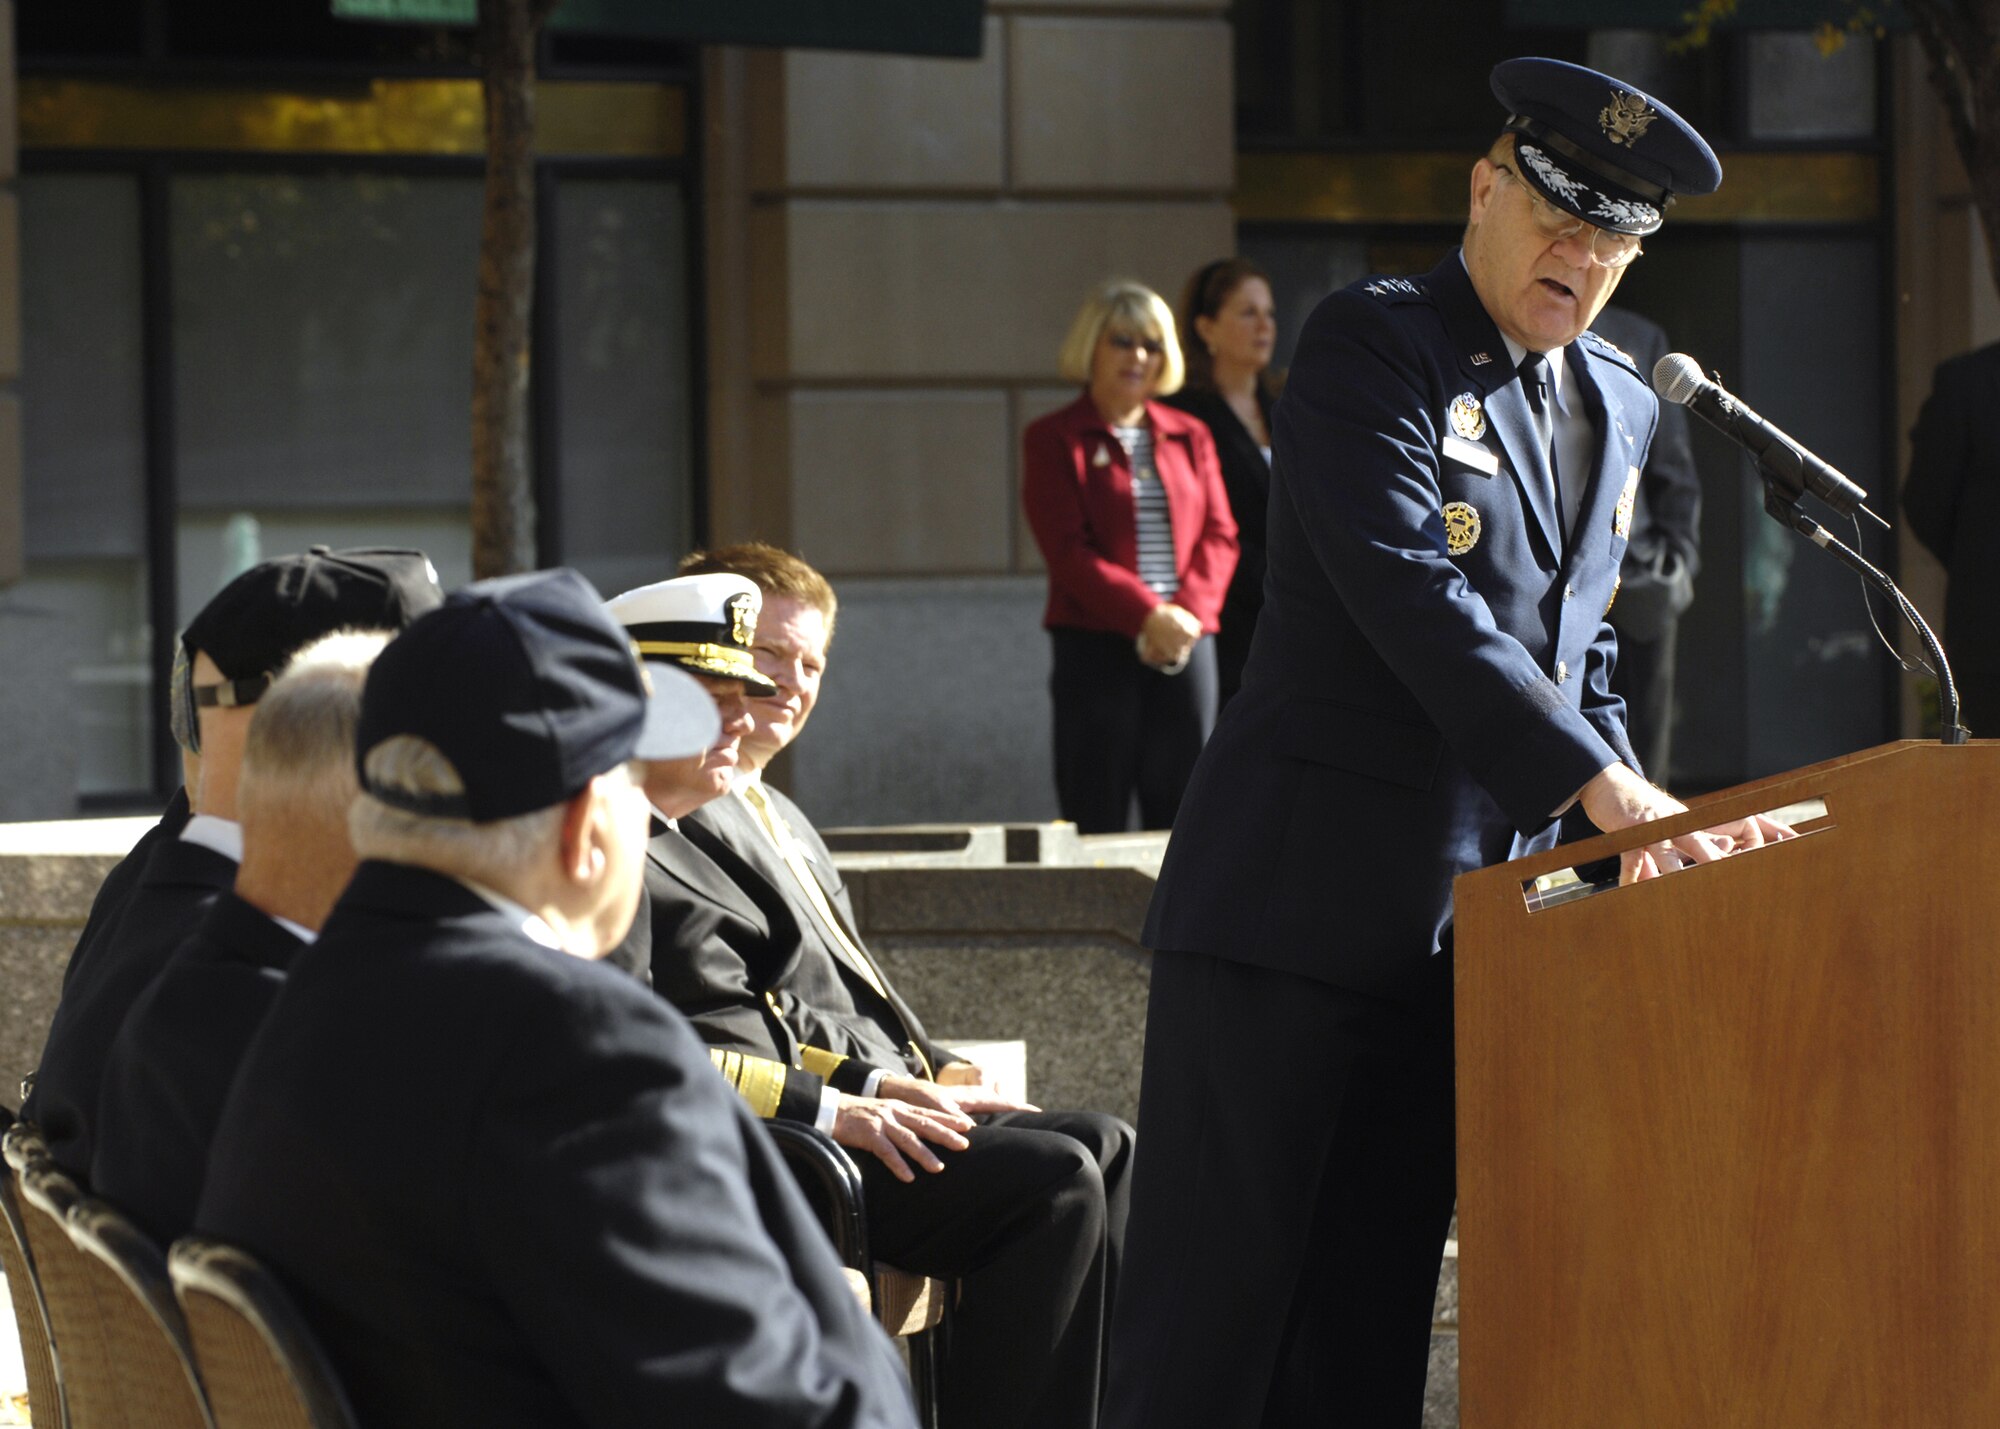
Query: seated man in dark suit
pixel 232 650
pixel 1023 1208
pixel 173 1060
pixel 504 1180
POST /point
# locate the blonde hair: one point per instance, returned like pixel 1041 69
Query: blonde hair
pixel 1122 305
pixel 299 751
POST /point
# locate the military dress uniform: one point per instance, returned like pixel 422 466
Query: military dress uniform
pixel 1427 690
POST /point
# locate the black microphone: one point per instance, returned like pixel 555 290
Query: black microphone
pixel 1677 378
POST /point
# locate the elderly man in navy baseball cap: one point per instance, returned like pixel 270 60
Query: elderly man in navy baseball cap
pixel 505 1179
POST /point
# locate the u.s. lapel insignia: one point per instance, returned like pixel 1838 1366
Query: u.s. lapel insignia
pixel 1466 418
pixel 1625 118
pixel 1480 359
pixel 1102 457
pixel 1621 519
pixel 1461 527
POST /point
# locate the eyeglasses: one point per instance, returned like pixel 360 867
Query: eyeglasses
pixel 1144 346
pixel 1607 249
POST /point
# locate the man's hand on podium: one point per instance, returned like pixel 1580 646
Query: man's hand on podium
pixel 1617 799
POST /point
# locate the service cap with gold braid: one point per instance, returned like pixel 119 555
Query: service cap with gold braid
pixel 705 624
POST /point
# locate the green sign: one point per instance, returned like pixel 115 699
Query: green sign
pixel 950 28
pixel 1675 15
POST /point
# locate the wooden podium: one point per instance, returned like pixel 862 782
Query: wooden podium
pixel 1729 1141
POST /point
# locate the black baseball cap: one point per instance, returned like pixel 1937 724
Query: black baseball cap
pixel 1598 148
pixel 257 622
pixel 530 690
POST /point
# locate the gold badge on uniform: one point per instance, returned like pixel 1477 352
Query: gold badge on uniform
pixel 1616 585
pixel 1466 418
pixel 1625 118
pixel 742 620
pixel 1621 520
pixel 1461 527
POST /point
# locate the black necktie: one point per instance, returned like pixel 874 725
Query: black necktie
pixel 1534 370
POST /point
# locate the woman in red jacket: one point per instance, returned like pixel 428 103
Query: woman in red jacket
pixel 1126 500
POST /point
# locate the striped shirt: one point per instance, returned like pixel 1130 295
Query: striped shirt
pixel 1155 521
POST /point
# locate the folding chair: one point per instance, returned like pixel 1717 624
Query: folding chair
pixel 121 1365
pixel 909 1306
pixel 31 1311
pixel 260 1362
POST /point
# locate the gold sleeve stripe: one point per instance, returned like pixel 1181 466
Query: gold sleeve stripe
pixel 760 1081
pixel 820 1062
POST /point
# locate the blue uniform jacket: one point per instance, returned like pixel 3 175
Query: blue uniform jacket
pixel 1429 681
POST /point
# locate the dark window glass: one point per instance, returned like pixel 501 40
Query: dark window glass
pixel 626 393
pixel 58 30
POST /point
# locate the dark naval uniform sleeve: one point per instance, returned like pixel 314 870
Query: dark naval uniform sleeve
pixel 1359 425
pixel 647 1192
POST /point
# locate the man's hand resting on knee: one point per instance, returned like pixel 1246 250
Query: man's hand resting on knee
pixel 895 1132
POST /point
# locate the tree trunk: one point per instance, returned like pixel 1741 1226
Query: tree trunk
pixel 503 501
pixel 1961 40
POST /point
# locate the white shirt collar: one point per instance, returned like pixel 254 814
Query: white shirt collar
pixel 297 930
pixel 1516 352
pixel 744 777
pixel 663 816
pixel 224 836
pixel 532 924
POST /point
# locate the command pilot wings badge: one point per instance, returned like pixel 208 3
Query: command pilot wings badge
pixel 1466 418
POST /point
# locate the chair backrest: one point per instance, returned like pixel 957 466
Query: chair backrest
pixel 120 1366
pixel 31 1312
pixel 262 1366
pixel 152 1361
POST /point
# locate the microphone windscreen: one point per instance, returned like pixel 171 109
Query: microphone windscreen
pixel 1677 377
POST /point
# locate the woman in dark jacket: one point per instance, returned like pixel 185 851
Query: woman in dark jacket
pixel 1231 327
pixel 1126 501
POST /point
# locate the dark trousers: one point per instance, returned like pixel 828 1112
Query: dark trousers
pixel 1030 1220
pixel 1123 728
pixel 1290 1203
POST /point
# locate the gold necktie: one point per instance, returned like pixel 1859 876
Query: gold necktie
pixel 793 853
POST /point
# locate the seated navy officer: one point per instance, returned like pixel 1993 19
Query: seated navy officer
pixel 227 657
pixel 1021 1207
pixel 172 1062
pixel 504 1180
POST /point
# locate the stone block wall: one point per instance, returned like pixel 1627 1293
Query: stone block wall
pixel 896 247
pixel 13 550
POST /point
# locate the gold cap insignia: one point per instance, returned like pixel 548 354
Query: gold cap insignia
pixel 742 619
pixel 1461 527
pixel 1625 118
pixel 1466 418
pixel 1621 519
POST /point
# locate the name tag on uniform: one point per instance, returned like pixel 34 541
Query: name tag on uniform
pixel 1472 454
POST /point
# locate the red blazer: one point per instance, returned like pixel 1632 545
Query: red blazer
pixel 1076 486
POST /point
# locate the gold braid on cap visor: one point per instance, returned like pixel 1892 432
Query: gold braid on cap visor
pixel 730 659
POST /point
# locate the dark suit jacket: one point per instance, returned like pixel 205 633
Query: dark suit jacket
pixel 1246 476
pixel 509 1189
pixel 118 885
pixel 170 1069
pixel 838 1008
pixel 180 881
pixel 1664 554
pixel 1953 501
pixel 1429 678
